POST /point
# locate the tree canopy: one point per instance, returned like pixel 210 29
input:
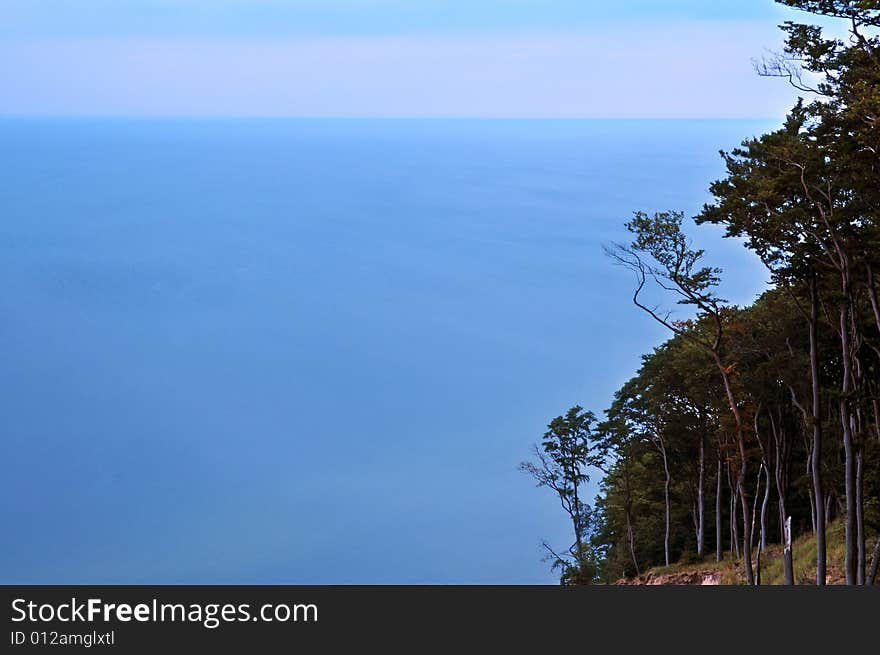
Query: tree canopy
pixel 772 410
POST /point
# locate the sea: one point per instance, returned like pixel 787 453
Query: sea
pixel 315 351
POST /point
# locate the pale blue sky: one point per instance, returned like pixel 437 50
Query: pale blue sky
pixel 323 17
pixel 485 58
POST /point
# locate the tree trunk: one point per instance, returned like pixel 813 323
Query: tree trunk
pixel 668 507
pixel 632 545
pixel 860 521
pixel 780 511
pixel 848 447
pixel 765 469
pixel 629 526
pixel 764 505
pixel 743 470
pixel 788 563
pixel 576 520
pixel 816 460
pixel 700 500
pixel 755 508
pixel 734 533
pixel 812 509
pixel 719 548
pixel 782 464
pixel 758 569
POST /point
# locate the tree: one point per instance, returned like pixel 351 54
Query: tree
pixel 765 198
pixel 560 464
pixel 675 268
pixel 790 383
pixel 807 198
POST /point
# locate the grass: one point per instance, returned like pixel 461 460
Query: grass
pixel 804 558
pixel 772 572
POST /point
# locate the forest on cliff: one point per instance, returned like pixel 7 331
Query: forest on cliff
pixel 752 427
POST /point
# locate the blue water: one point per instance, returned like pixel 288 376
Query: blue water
pixel 314 351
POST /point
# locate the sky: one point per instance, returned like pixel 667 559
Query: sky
pixel 390 58
pixel 677 59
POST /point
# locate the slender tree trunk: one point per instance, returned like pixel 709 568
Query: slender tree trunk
pixel 758 569
pixel 630 534
pixel 780 511
pixel 719 548
pixel 743 470
pixel 848 446
pixel 782 463
pixel 859 429
pixel 631 538
pixel 660 445
pixel 764 505
pixel 734 533
pixel 578 515
pixel 700 499
pixel 668 506
pixel 765 469
pixel 812 509
pixel 788 560
pixel 816 459
pixel 755 508
pixel 875 306
pixel 860 520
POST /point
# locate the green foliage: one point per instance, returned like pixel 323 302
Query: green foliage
pixel 805 198
pixel 661 236
pixel 560 464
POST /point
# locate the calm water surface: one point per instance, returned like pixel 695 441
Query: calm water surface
pixel 313 351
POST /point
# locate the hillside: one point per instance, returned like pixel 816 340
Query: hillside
pixel 729 571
